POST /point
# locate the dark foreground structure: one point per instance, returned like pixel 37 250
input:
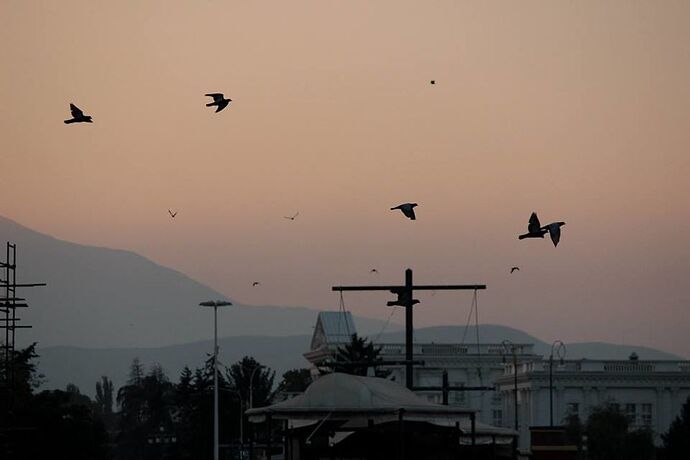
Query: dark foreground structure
pixel 351 417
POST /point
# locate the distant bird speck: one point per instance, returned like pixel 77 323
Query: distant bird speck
pixel 433 82
pixel 256 283
pixel 292 217
pixel 78 116
pixel 407 209
pixel 172 214
pixel 514 269
pixel 373 270
pixel 218 101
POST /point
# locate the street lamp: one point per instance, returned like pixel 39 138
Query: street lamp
pixel 215 304
pixel 251 395
pixel 509 347
pixel 251 385
pixel 559 347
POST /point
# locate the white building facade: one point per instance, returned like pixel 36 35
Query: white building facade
pixel 650 393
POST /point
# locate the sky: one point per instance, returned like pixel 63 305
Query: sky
pixel 576 110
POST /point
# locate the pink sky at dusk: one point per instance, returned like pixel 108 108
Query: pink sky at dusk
pixel 577 110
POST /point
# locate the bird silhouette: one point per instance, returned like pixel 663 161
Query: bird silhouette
pixel 78 116
pixel 292 217
pixel 433 82
pixel 407 209
pixel 218 100
pixel 514 269
pixel 534 228
pixel 554 230
pixel 255 283
pixel 373 270
pixel 172 214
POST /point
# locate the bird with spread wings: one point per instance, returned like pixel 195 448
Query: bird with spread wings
pixel 218 100
pixel 78 116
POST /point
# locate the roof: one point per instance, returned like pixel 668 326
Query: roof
pixel 333 328
pixel 338 326
pixel 355 398
pixel 353 394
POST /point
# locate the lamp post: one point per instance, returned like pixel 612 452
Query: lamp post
pixel 215 304
pixel 251 385
pixel 559 347
pixel 509 347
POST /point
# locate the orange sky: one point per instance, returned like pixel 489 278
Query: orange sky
pixel 577 110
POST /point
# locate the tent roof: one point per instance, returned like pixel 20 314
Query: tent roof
pixel 344 394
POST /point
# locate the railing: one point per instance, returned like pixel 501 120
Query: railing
pixel 453 349
pixel 629 367
pixel 614 367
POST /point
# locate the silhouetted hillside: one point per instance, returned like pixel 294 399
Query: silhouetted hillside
pixel 98 297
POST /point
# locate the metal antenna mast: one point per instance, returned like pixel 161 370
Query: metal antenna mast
pixel 406 299
pixel 9 302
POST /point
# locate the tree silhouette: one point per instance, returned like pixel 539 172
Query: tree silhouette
pixel 104 396
pixel 295 381
pixel 146 404
pixel 252 380
pixel 50 424
pixel 609 437
pixel 356 358
pixel 676 441
pixel 19 372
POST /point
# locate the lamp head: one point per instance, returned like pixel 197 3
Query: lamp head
pixel 215 303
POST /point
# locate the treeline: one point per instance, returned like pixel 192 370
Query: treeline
pixel 150 417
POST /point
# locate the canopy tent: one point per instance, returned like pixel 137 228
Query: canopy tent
pixel 360 400
pixel 344 394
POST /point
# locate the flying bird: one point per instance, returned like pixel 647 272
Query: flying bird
pixel 554 230
pixel 78 116
pixel 255 283
pixel 219 101
pixel 514 269
pixel 373 270
pixel 172 214
pixel 433 82
pixel 534 228
pixel 407 209
pixel 292 217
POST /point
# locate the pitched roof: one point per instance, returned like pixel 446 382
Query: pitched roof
pixel 333 328
pixel 353 394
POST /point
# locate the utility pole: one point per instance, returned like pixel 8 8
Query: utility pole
pixel 406 299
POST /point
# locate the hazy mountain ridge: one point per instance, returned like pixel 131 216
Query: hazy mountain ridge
pixel 83 366
pixel 108 298
pixel 113 305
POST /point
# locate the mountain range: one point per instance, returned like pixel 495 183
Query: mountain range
pixel 108 298
pixel 103 307
pixel 83 366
